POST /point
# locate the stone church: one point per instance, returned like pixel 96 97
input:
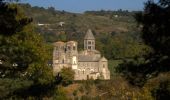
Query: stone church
pixel 87 64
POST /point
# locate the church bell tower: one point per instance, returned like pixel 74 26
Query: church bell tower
pixel 89 41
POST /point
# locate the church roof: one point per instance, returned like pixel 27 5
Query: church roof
pixel 103 59
pixel 58 43
pixel 88 58
pixel 91 52
pixel 89 35
pixel 71 42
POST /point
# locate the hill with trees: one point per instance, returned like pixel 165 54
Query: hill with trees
pixel 116 33
pixel 138 56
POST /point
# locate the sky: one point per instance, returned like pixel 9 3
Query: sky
pixel 79 6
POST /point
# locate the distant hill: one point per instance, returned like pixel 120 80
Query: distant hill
pixel 99 21
pixel 115 31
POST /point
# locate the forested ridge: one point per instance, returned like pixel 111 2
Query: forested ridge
pixel 116 33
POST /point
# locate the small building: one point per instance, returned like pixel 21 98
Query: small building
pixel 87 64
pixel 61 23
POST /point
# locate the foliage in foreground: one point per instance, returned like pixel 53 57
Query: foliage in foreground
pixel 67 75
pixel 155 23
pixel 115 89
pixel 23 56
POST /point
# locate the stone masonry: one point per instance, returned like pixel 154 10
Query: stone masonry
pixel 87 64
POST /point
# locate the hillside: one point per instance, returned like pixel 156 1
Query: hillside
pixel 117 36
pixel 74 22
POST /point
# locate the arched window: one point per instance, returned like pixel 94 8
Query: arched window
pixel 74 47
pixel 89 42
pixel 63 61
pixel 65 50
pixel 68 47
pixel 91 70
pixel 103 66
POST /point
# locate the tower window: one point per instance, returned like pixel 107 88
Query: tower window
pixel 89 42
pixel 65 49
pixel 103 66
pixel 74 48
pixel 68 47
pixel 89 47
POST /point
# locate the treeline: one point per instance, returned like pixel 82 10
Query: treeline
pixel 119 12
pixel 49 9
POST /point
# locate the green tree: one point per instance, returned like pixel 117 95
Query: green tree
pixel 67 75
pixel 155 21
pixel 23 54
pixel 155 24
pixel 155 33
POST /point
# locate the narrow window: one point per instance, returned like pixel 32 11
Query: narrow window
pixel 68 47
pixel 65 50
pixel 89 47
pixel 74 48
pixel 89 42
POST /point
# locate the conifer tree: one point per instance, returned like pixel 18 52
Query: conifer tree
pixel 23 55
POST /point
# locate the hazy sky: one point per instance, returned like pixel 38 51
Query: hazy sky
pixel 83 5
